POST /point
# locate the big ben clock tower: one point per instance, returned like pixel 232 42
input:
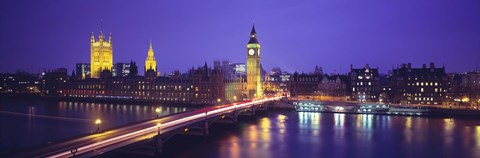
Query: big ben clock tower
pixel 254 86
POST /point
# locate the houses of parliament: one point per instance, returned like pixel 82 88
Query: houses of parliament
pixel 102 79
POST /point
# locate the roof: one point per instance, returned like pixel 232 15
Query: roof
pixel 253 36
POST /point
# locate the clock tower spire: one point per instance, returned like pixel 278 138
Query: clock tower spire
pixel 254 84
pixel 253 36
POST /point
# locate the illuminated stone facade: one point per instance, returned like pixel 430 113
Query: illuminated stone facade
pixel 101 55
pixel 202 85
pixel 150 62
pixel 254 84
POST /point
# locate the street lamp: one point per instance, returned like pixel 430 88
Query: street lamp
pixel 98 122
pixel 235 98
pixel 157 110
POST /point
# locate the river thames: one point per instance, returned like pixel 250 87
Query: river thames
pixel 274 134
pixel 27 123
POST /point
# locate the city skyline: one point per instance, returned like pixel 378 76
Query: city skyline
pixel 186 35
pixel 371 78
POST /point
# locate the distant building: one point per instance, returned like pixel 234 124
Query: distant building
pixel 208 84
pixel 122 69
pixel 364 84
pixel 53 81
pixel 272 82
pixel 455 91
pixel 386 94
pixel 235 71
pixel 284 80
pixel 425 85
pixel 471 87
pixel 303 84
pixel 202 85
pixel 20 83
pixel 333 86
pixel 318 70
pixel 101 55
pixel 82 70
pixel 317 86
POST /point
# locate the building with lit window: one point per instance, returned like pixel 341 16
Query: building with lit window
pixel 470 85
pixel 82 70
pixel 284 80
pixel 122 69
pixel 235 71
pixel 425 85
pixel 202 85
pixel 53 81
pixel 101 55
pixel 303 84
pixel 20 83
pixel 364 84
pixel 333 87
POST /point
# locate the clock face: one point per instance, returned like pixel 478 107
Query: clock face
pixel 251 52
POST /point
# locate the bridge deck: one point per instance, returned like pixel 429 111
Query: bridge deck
pixel 98 143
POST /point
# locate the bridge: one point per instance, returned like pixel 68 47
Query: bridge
pixel 159 131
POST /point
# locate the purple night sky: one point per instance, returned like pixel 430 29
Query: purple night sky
pixel 294 35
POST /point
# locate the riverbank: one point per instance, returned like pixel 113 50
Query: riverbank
pixel 377 109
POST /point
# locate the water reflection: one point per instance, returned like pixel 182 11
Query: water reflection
pixel 309 123
pixel 448 126
pixel 304 134
pixel 477 141
pixel 36 122
pixel 281 119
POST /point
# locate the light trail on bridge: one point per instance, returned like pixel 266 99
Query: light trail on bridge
pixel 166 124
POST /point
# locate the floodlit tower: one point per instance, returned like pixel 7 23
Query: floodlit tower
pixel 101 55
pixel 254 85
pixel 150 62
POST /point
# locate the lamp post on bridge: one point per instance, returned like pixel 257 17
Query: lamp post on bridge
pixel 157 110
pixel 98 122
